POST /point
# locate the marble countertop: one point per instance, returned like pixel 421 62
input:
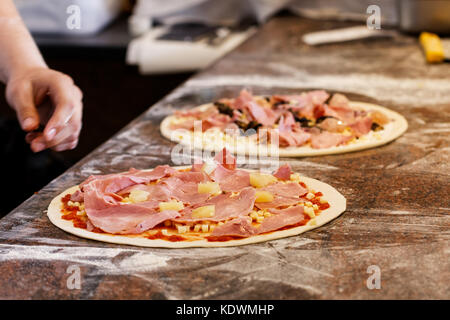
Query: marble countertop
pixel 397 219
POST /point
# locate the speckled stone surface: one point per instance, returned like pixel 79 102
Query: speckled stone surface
pixel 398 194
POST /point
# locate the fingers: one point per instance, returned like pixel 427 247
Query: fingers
pixel 64 117
pixel 66 98
pixel 65 139
pixel 66 146
pixel 20 97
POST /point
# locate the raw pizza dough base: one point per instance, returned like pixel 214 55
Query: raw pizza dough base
pixel 393 130
pixel 335 199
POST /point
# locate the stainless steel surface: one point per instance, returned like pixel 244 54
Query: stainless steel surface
pixel 424 15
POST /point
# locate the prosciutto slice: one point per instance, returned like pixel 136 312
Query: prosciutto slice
pixel 287 122
pixel 226 206
pixel 361 126
pixel 242 227
pixel 136 176
pixel 327 139
pixel 186 191
pixel 338 107
pixel 296 137
pixel 248 105
pixel 282 218
pixel 158 191
pixel 283 172
pixel 105 211
pixel 225 159
pixel 305 104
pixel 285 194
pixel 231 180
pixel 238 227
pixel 332 125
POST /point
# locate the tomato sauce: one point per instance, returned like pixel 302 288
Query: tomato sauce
pixel 222 238
pixel 160 235
pixel 70 213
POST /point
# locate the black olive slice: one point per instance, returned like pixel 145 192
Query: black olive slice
pixel 241 124
pixel 223 108
pixel 322 118
pixel 304 122
pixel 245 128
pixel 253 125
pixel 277 103
pixel 376 127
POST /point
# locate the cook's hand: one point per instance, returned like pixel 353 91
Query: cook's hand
pixel 27 92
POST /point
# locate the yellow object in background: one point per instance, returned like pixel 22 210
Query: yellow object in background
pixel 432 46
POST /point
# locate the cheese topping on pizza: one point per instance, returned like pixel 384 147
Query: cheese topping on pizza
pixel 193 204
pixel 313 118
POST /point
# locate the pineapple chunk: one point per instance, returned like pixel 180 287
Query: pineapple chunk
pixel 295 177
pixel 310 212
pixel 209 187
pixel 253 215
pixel 138 195
pixel 183 229
pixel 126 200
pixel 260 180
pixel 204 212
pixel 263 196
pixel 171 205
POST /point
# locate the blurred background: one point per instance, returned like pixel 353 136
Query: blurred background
pixel 125 55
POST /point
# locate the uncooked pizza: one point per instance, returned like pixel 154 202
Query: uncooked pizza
pixel 305 124
pixel 208 204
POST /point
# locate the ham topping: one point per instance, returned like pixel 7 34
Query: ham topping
pixel 282 218
pixel 238 227
pixel 226 159
pixel 361 126
pixel 231 180
pixel 283 172
pixel 287 119
pixel 285 194
pixel 242 227
pixel 327 139
pixel 103 199
pixel 226 206
pixel 105 211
